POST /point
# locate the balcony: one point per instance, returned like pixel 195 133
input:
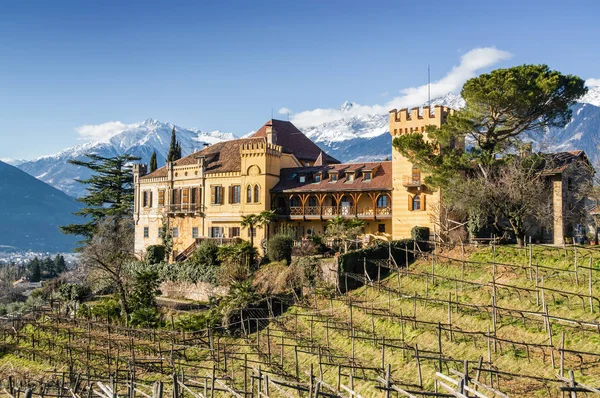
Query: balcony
pixel 327 212
pixel 183 209
pixel 413 181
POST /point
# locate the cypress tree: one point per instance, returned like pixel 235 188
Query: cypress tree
pixel 110 193
pixel 60 265
pixel 174 148
pixel 153 163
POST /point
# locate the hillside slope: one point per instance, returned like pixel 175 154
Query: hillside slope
pixel 31 212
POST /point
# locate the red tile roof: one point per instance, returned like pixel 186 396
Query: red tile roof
pixel 221 157
pixel 381 180
pixel 294 141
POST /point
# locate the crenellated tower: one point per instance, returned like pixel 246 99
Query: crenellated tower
pixel 413 203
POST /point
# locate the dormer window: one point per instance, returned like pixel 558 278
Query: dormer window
pixel 367 176
pixel 333 176
pixel 318 177
pixel 350 177
pixel 302 178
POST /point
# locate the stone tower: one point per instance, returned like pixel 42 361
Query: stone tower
pixel 413 203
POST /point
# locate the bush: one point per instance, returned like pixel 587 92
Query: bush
pixel 107 308
pixel 145 317
pixel 280 248
pixel 156 254
pixel 237 263
pixel 420 234
pixel 195 322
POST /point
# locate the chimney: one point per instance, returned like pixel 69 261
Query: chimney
pixel 271 134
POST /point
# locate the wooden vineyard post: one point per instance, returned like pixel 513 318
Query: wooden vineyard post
pixel 562 354
pixel 419 373
pixel 575 263
pixel 450 314
pixel 530 259
pixel 591 284
pixel 440 346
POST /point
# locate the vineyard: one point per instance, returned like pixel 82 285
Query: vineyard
pixel 492 321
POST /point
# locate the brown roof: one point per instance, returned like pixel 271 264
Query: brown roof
pixel 294 141
pixel 558 162
pixel 380 181
pixel 220 157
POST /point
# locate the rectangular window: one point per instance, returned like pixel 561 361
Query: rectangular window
pixel 194 196
pixel 302 178
pixel 161 197
pixel 234 232
pixel 216 232
pixel 367 176
pixel 195 232
pixel 216 195
pixel 381 228
pixel 185 197
pixel 350 177
pixel 146 232
pixel 235 194
pixel 175 232
pixel 318 178
pixel 252 232
pixel 334 177
pixel 147 198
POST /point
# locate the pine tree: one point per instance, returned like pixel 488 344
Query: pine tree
pixel 153 162
pixel 110 193
pixel 174 148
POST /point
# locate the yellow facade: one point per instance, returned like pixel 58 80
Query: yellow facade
pixel 413 203
pixel 206 204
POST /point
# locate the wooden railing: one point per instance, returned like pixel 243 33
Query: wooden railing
pixel 412 181
pixel 334 211
pixel 183 208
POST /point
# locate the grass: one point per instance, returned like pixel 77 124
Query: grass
pixel 320 331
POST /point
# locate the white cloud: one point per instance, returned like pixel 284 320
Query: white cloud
pixel 470 65
pixel 100 132
pixel 592 82
pixel 284 111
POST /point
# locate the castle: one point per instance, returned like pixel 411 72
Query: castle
pixel 204 195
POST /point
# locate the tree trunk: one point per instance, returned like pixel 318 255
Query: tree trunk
pixel 123 299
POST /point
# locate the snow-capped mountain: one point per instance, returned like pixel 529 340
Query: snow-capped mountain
pixel 365 137
pixel 139 139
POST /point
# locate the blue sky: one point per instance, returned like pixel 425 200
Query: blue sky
pixel 227 65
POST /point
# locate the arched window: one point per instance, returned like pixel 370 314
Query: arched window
pixel 256 194
pixel 382 201
pixel 249 194
pixel 416 202
pixel 295 201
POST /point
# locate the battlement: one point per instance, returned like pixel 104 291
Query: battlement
pixel 260 148
pixel 140 169
pixel 413 120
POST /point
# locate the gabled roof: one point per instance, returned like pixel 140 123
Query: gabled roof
pixel 220 157
pixel 557 162
pixel 294 141
pixel 381 180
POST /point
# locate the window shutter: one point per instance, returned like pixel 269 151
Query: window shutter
pixel 231 194
pixel 423 196
pixel 213 193
pixel 409 203
pixel 150 201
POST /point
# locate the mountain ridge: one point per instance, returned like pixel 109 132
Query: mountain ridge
pixel 32 211
pixel 351 138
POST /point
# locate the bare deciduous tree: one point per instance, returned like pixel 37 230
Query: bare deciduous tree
pixel 109 253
